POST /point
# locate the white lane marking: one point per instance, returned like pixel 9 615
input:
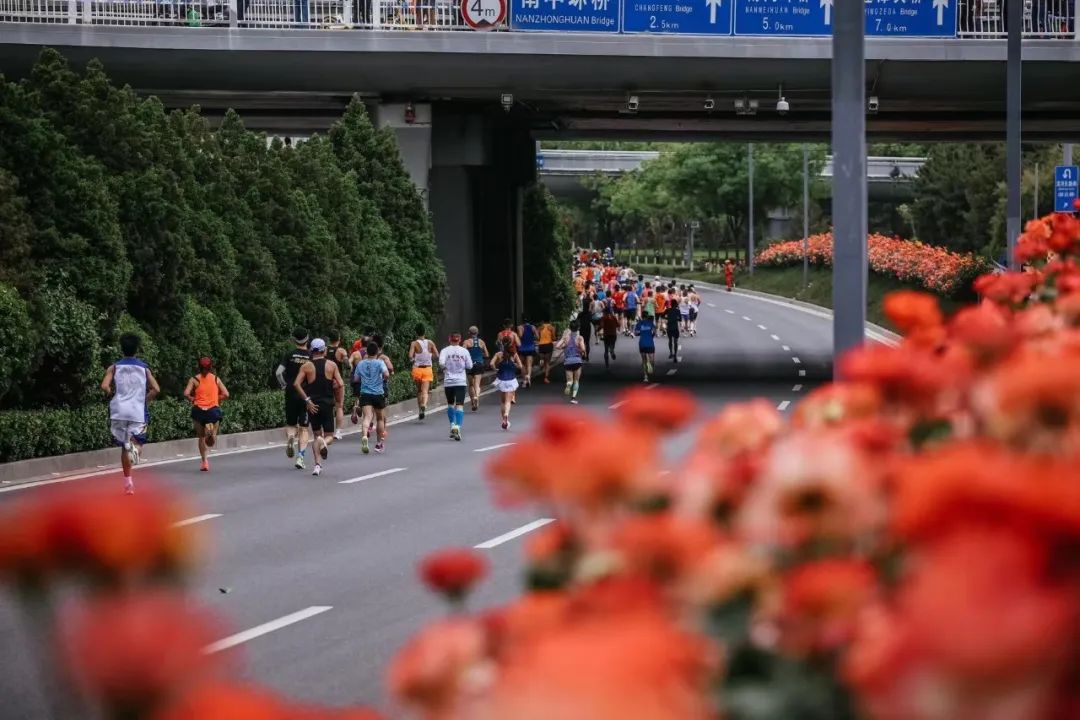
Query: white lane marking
pixel 196 519
pixel 617 405
pixel 729 312
pixel 786 348
pixel 796 388
pixel 672 371
pixel 783 405
pixel 506 537
pixel 362 478
pixel 775 337
pixel 747 319
pixel 802 373
pixel 493 447
pixel 711 304
pixel 762 327
pixel 259 630
pixel 650 387
pixel 796 360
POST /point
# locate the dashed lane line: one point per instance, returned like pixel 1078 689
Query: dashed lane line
pixel 783 405
pixel 729 312
pixel 266 628
pixel 775 337
pixel 747 319
pixel 711 304
pixel 371 476
pixel 796 360
pixel 796 388
pixel 518 532
pixel 786 348
pixel 493 447
pixel 196 519
pixel 762 327
pixel 672 371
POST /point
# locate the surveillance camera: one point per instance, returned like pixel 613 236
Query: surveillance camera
pixel 740 106
pixel 782 106
pixel 872 103
pixel 710 104
pixel 753 108
pixel 632 103
pixel 507 101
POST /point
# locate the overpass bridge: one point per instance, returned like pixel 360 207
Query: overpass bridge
pixel 562 170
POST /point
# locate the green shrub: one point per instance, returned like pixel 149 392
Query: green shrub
pixel 243 368
pixel 70 349
pixel 16 338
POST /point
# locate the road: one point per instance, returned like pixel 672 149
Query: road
pixel 322 570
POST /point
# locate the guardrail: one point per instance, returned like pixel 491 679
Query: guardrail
pixel 980 19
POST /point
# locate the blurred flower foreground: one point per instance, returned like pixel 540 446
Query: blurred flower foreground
pixel 904 548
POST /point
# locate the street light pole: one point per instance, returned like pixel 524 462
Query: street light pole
pixel 849 175
pixel 805 216
pixel 1035 210
pixel 1066 152
pixel 1013 78
pixel 750 217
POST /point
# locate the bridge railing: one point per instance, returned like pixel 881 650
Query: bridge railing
pixel 975 18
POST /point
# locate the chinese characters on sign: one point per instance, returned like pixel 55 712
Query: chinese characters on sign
pixel 1066 187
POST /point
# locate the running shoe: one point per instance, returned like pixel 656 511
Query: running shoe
pixel 566 391
pixel 324 450
pixel 475 404
pixel 133 452
pixel 299 464
pixel 547 381
pixel 317 471
pixel 505 423
pixel 205 467
pixel 355 417
pixel 455 432
pixel 379 447
pixel 337 434
pixel 423 411
pixel 290 447
pixel 612 354
pixel 129 486
pixel 648 368
pixel 364 448
pixel 573 401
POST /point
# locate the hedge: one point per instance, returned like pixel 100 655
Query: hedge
pixel 26 434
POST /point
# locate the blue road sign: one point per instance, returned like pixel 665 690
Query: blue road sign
pixel 1066 187
pixel 884 18
pixel 539 161
pixel 596 16
pixel 685 17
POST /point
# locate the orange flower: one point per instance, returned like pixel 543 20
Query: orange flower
pixel 548 542
pixel 911 312
pixel 985 331
pixel 439 665
pixel 453 572
pixel 530 616
pixel 747 427
pixel 662 409
pixel 821 601
pixel 231 702
pixel 131 652
pixel 837 403
pixel 905 376
pixel 662 546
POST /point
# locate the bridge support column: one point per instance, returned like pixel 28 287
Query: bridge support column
pixel 412 127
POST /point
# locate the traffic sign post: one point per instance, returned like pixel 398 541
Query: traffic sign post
pixel 1066 188
pixel 539 161
pixel 594 16
pixel 483 14
pixel 677 17
pixel 884 18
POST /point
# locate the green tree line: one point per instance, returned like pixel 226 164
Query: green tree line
pixel 117 215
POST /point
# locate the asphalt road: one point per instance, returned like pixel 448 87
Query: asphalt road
pixel 338 558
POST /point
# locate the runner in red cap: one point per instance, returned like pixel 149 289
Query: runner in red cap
pixel 205 391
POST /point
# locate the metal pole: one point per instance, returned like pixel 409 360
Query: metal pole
pixel 750 217
pixel 1013 159
pixel 1035 210
pixel 849 175
pixel 1066 154
pixel 805 216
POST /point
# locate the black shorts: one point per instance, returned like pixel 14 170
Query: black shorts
pixel 323 417
pixel 693 314
pixel 572 367
pixel 295 410
pixel 673 331
pixel 455 395
pixel 476 369
pixel 609 340
pixel 206 417
pixel 527 353
pixel 546 348
pixel 631 314
pixel 376 401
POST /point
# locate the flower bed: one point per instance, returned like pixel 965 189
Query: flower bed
pixel 932 268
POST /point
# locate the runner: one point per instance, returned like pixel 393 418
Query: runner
pixel 631 301
pixel 695 306
pixel 296 416
pixel 574 348
pixel 661 300
pixel 546 348
pixel 527 351
pixel 205 391
pixel 609 327
pixel 132 387
pixel 584 320
pixel 646 328
pixel 421 353
pixel 673 317
pixel 377 338
pixel 455 362
pixel 684 311
pixel 369 382
pixel 317 384
pixel 478 351
pixel 506 364
pixel 340 356
pixel 729 274
pixel 596 313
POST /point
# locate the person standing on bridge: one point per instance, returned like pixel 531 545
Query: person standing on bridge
pixel 296 416
pixel 317 383
pixel 205 391
pixel 132 387
pixel 729 274
pixel 455 362
pixel 575 350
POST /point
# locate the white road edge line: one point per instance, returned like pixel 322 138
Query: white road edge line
pixel 729 312
pixel 653 385
pixel 796 388
pixel 259 630
pixel 507 537
pixel 783 405
pixel 762 327
pixel 381 473
pixel 775 337
pixel 617 405
pixel 196 519
pixel 672 371
pixel 493 447
pixel 747 319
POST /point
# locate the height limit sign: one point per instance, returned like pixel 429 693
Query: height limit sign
pixel 483 14
pixel 1066 185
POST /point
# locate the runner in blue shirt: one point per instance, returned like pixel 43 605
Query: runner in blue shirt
pixel 631 301
pixel 646 329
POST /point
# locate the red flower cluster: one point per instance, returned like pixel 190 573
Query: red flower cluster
pixel 927 266
pixel 453 571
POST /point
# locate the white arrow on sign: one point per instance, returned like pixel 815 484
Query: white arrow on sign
pixel 712 5
pixel 1066 174
pixel 940 6
pixel 827 4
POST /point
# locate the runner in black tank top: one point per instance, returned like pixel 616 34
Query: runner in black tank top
pixel 318 383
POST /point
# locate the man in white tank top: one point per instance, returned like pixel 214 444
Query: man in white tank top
pixel 132 386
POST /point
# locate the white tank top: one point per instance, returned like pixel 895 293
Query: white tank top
pixel 422 358
pixel 129 401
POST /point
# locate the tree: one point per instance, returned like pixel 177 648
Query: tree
pixel 955 195
pixel 548 257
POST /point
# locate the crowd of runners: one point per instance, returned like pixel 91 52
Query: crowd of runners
pixel 613 301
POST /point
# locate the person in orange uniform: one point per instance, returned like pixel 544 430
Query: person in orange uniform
pixel 545 347
pixel 205 391
pixel 729 274
pixel 661 307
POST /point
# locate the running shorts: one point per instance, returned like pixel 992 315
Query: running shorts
pixel 295 410
pixel 376 401
pixel 323 417
pixel 693 314
pixel 631 314
pixel 571 367
pixel 673 330
pixel 506 385
pixel 609 341
pixel 206 417
pixel 476 369
pixel 455 394
pixel 546 348
pixel 124 430
pixel 647 349
pixel 423 374
pixel 527 353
